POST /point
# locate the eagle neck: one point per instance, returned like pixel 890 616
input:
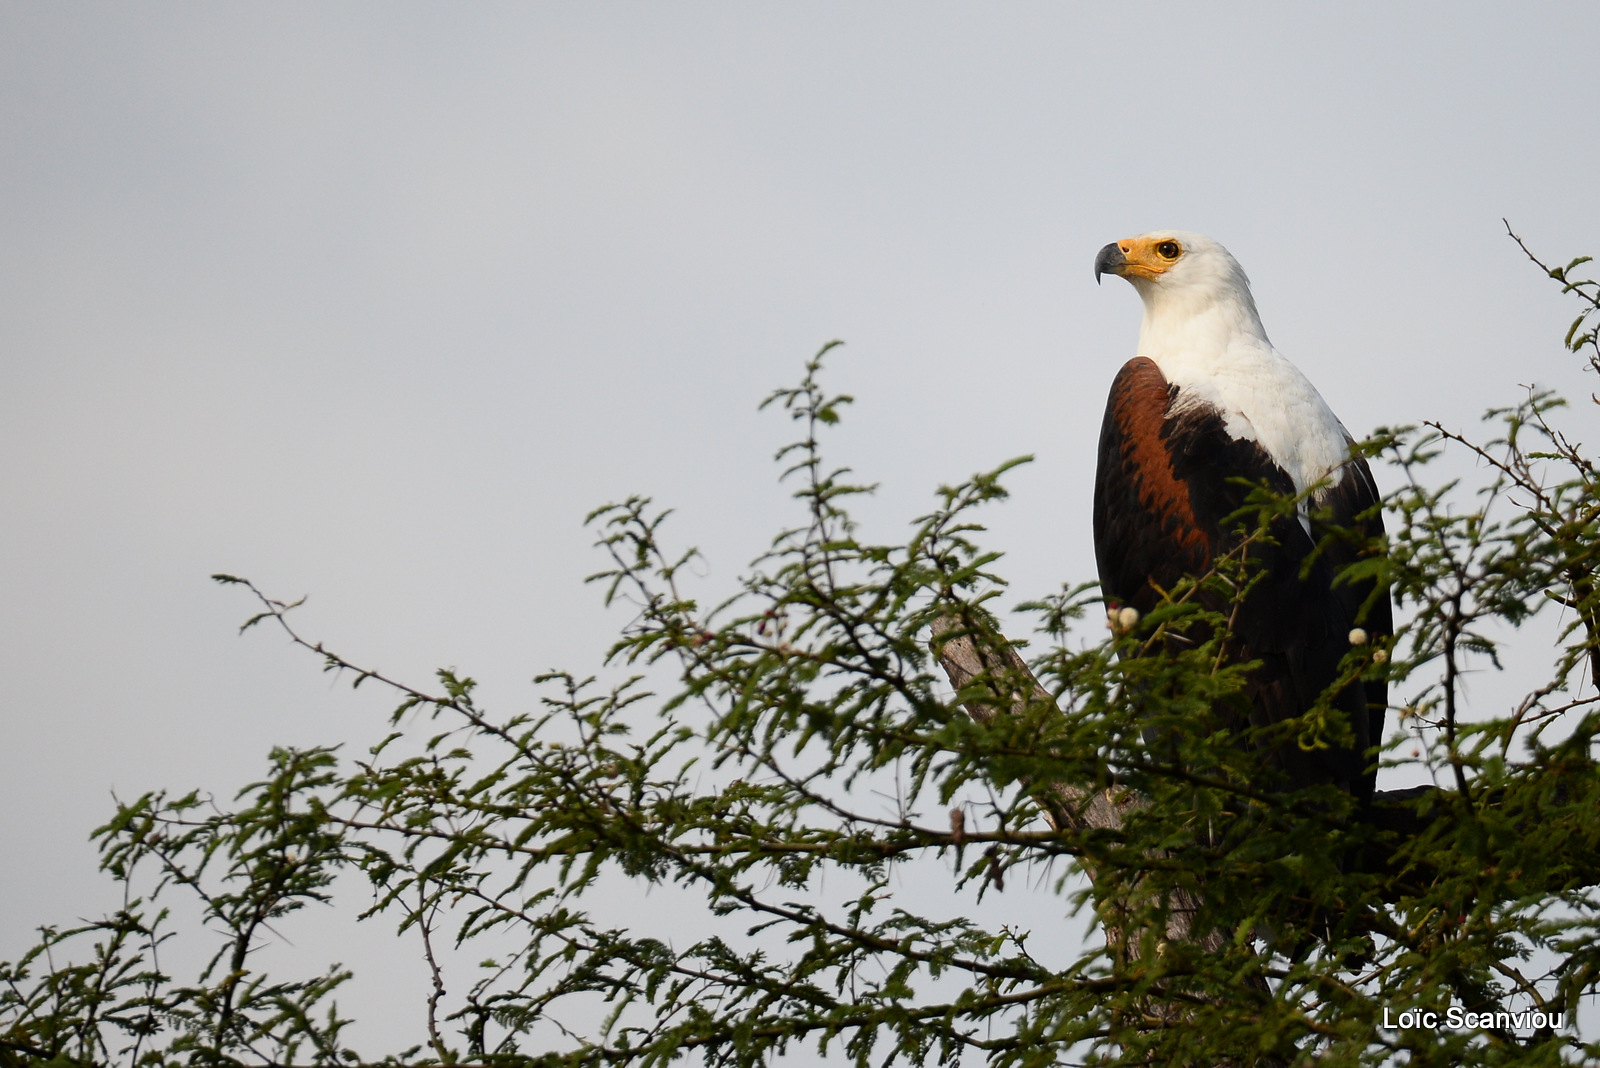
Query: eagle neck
pixel 1215 352
pixel 1182 323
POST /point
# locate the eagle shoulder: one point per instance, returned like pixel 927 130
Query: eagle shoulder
pixel 1144 521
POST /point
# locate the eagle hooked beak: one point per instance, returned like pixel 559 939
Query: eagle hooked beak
pixel 1110 261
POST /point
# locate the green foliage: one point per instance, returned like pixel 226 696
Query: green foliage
pixel 808 758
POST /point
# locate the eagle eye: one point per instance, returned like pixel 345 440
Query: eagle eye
pixel 1169 250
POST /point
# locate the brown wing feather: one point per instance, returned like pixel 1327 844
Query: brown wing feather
pixel 1144 523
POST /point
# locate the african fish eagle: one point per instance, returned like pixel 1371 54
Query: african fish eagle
pixel 1208 402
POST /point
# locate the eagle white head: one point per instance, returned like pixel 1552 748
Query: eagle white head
pixel 1202 330
pixel 1196 297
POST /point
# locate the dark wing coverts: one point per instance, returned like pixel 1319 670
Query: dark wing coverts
pixel 1162 492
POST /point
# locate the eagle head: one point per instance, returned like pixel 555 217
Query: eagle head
pixel 1184 280
pixel 1171 259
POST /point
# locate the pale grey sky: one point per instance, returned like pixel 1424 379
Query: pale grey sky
pixel 374 302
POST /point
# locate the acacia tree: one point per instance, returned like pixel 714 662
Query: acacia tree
pixel 1246 919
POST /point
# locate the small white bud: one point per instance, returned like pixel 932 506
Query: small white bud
pixel 1379 656
pixel 1128 618
pixel 1358 636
